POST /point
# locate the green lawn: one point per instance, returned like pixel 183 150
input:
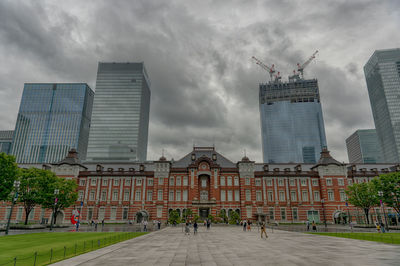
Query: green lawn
pixel 54 246
pixel 390 238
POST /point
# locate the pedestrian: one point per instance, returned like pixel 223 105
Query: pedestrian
pixel 208 224
pixel 263 230
pixel 249 225
pixel 382 227
pixel 244 225
pixel 308 225
pixel 102 223
pixel 95 226
pixel 378 227
pixel 159 225
pixel 351 226
pixel 195 228
pixel 187 229
pixel 144 226
pixel 205 223
pixel 314 226
pixel 77 225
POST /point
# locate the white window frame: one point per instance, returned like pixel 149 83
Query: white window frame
pixel 222 181
pixel 223 195
pixel 258 195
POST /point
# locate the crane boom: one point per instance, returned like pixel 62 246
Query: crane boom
pixel 270 70
pixel 301 68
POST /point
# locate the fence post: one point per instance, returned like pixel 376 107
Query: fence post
pixel 51 254
pixel 15 261
pixel 65 249
pixel 34 261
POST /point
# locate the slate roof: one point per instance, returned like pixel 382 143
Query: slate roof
pixel 203 151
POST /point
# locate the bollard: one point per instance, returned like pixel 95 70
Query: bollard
pixel 34 260
pixel 51 254
pixel 65 250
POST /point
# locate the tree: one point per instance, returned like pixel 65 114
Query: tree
pixel 222 214
pixel 187 213
pixel 66 196
pixel 8 174
pixel 389 184
pixel 363 195
pixel 173 217
pixel 234 218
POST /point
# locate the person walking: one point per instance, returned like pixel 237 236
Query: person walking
pixel 314 226
pixel 208 224
pixel 195 228
pixel 244 225
pixel 308 225
pixel 145 226
pixel 159 225
pixel 77 225
pixel 263 230
pixel 102 223
pixel 187 229
pixel 249 225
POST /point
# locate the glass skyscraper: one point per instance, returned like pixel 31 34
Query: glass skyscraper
pixel 6 141
pixel 120 119
pixel 382 73
pixel 292 125
pixel 52 119
pixel 363 147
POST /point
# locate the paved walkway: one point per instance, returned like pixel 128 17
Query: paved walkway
pixel 232 246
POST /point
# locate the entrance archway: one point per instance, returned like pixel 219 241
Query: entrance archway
pixel 142 216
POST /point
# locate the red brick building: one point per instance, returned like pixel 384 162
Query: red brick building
pixel 206 182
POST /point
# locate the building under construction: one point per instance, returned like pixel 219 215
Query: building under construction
pixel 292 125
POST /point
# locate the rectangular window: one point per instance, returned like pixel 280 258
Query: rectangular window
pixel 82 182
pixel 80 195
pixel 222 181
pixel 292 182
pixel 178 195
pixel 230 195
pixel 185 195
pixel 127 182
pixel 258 182
pixel 103 195
pixel 149 195
pixel 138 195
pixel 116 182
pixel 160 194
pixel 281 195
pixel 342 195
pixel 295 214
pixel 229 181
pixel 203 182
pixel 316 196
pixel 248 195
pixel 171 196
pixel 271 214
pixel 237 195
pixel 236 181
pixel 249 213
pixel 270 196
pixel 303 182
pixel 331 196
pixel 90 213
pixel 159 211
pixel 8 210
pixel 31 214
pixel 139 182
pixel 247 181
pixel 171 181
pixel 91 195
pixel 105 182
pixel 178 180
pixel 314 182
pixel 280 182
pixel 113 213
pixel 293 196
pixel 93 181
pixel 150 182
pixel 102 212
pixel 283 214
pixel 160 181
pixel 349 182
pixel 258 195
pixel 126 196
pixel 341 182
pixel 304 195
pixel 269 182
pixel 329 181
pixel 115 195
pixel 223 195
pixel 125 214
pixel 185 181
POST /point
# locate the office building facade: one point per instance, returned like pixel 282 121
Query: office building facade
pixel 382 73
pixel 6 137
pixel 120 120
pixel 52 119
pixel 363 147
pixel 292 125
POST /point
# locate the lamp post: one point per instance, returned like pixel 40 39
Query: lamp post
pixel 380 194
pixel 16 186
pixel 56 192
pixel 323 211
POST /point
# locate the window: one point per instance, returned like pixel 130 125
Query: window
pixel 150 182
pixel 247 181
pixel 281 195
pixel 105 182
pixel 280 182
pixel 229 181
pixel 249 213
pixel 185 195
pixel 116 182
pixel 90 213
pixel 269 182
pixel 295 214
pixel 31 214
pixel 270 196
pixel 236 181
pixel 127 182
pixel 293 196
pixel 82 182
pixel 91 195
pixel 171 196
pixel 93 181
pixel 292 182
pixel 139 182
pixel 237 195
pixel 160 180
pixel 160 194
pixel 342 195
pixel 349 182
pixel 223 195
pixel 149 195
pixel 304 195
pixel 126 196
pixel 230 195
pixel 125 214
pixel 171 181
pixel 283 214
pixel 315 182
pixel 80 195
pixel 248 195
pixel 222 181
pixel 178 195
pixel 271 214
pixel 178 180
pixel 331 196
pixel 115 195
pixel 138 195
pixel 316 196
pixel 8 210
pixel 329 181
pixel 341 182
pixel 303 182
pixel 113 213
pixel 203 182
pixel 258 182
pixel 159 211
pixel 103 195
pixel 258 195
pixel 185 181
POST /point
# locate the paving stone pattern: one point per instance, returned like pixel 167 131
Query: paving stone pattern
pixel 232 246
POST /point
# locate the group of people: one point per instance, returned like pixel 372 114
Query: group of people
pixel 313 225
pixel 207 224
pixel 246 225
pixel 380 227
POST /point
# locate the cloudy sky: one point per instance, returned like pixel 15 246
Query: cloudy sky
pixel 197 53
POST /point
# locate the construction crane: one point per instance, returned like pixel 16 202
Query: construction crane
pixel 270 70
pixel 301 68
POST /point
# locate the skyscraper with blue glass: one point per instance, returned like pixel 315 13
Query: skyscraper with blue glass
pixel 363 147
pixel 52 119
pixel 382 73
pixel 292 125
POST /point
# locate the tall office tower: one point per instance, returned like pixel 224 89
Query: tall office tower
pixel 6 141
pixel 52 119
pixel 363 147
pixel 120 119
pixel 292 126
pixel 382 73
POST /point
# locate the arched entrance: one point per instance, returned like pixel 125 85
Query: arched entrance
pixel 340 217
pixel 142 216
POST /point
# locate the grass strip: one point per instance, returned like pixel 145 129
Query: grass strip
pixel 389 238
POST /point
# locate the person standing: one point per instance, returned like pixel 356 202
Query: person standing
pixel 195 228
pixel 144 226
pixel 159 225
pixel 102 223
pixel 263 230
pixel 314 226
pixel 244 225
pixel 77 225
pixel 208 224
pixel 308 225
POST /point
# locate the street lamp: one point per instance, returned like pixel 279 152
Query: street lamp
pixel 56 192
pixel 16 186
pixel 380 194
pixel 323 211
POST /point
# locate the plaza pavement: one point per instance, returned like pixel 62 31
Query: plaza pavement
pixel 231 246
